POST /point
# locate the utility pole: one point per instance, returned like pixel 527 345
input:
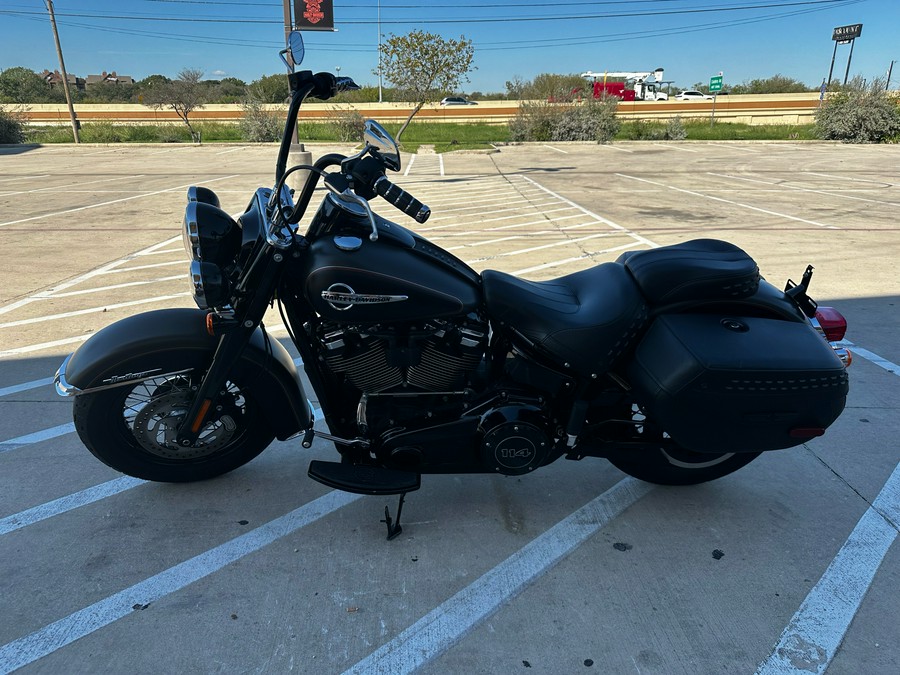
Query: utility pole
pixel 380 98
pixel 62 68
pixel 288 27
pixel 887 85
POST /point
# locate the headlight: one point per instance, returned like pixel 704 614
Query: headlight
pixel 190 233
pixel 208 285
pixel 210 234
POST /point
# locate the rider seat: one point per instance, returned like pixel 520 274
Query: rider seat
pixel 583 321
pixel 701 269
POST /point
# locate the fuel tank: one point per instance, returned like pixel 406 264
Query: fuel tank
pixel 401 277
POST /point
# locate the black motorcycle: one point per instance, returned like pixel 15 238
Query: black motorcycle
pixel 677 364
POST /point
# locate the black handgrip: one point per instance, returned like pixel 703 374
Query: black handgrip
pixel 404 201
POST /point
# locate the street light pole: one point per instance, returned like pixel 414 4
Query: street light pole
pixel 62 68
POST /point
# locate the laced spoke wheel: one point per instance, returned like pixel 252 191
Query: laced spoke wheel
pixel 133 429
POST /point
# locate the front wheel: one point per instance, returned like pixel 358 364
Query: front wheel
pixel 132 429
pixel 673 465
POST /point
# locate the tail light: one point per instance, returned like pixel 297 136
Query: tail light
pixel 833 324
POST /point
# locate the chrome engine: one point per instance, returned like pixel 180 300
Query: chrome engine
pixel 437 357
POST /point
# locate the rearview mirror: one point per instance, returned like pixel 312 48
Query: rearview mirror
pixel 293 55
pixel 382 145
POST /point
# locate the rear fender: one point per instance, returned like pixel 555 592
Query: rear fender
pixel 176 340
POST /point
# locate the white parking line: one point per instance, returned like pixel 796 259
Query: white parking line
pixel 114 287
pixel 41 346
pixel 550 147
pixel 874 358
pixel 840 195
pixel 84 277
pixel 599 218
pixel 57 635
pixel 566 261
pixel 555 244
pixel 68 503
pixel 37 437
pixel 9 180
pixel 120 270
pixel 438 630
pixel 114 201
pixel 91 310
pixel 58 188
pixel 668 146
pixel 812 637
pixel 481 209
pixel 25 386
pixel 409 166
pixel 728 201
pixel 857 180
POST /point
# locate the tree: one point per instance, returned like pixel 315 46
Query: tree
pixel 271 88
pixel 423 66
pixel 183 95
pixel 21 85
pixel 777 84
pixel 230 90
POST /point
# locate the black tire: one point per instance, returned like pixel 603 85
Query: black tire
pixel 674 465
pixel 668 463
pixel 129 429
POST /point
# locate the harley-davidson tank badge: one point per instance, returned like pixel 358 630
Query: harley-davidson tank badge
pixel 341 297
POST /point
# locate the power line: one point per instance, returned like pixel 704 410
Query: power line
pixel 470 20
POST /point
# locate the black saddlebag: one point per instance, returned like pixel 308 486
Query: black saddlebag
pixel 737 384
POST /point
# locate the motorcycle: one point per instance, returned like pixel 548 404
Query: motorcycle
pixel 677 364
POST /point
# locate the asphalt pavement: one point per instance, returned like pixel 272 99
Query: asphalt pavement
pixel 785 566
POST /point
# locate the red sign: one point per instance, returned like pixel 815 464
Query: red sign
pixel 314 14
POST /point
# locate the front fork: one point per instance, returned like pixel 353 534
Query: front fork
pixel 232 343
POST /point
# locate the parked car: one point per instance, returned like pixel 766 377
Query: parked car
pixel 457 100
pixel 692 94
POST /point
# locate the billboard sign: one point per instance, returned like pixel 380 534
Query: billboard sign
pixel 314 14
pixel 844 34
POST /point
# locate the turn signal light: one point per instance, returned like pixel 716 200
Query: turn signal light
pixel 833 324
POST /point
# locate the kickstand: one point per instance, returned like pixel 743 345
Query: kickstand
pixel 393 528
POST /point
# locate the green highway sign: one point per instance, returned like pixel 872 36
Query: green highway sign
pixel 715 83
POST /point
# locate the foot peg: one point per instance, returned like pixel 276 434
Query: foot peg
pixel 363 480
pixel 368 480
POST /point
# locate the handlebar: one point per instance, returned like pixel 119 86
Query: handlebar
pixel 400 198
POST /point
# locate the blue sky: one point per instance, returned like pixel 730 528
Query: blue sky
pixel 691 39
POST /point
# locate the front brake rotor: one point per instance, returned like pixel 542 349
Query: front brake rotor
pixel 156 427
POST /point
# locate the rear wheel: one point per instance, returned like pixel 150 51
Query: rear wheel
pixel 670 464
pixel 673 465
pixel 132 429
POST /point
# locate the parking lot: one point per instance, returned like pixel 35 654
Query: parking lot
pixel 784 566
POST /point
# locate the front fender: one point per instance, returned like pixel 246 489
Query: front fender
pixel 174 340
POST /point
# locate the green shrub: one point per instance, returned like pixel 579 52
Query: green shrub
pixel 11 128
pixel 860 113
pixel 348 126
pixel 590 120
pixel 259 125
pixel 644 130
pixel 534 121
pixel 101 132
pixel 675 130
